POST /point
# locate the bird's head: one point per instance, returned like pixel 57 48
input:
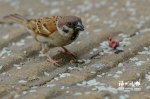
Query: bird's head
pixel 68 25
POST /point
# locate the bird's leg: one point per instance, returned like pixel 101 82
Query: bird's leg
pixel 51 60
pixel 44 50
pixel 67 52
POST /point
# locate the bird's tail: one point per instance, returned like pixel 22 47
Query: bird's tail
pixel 17 18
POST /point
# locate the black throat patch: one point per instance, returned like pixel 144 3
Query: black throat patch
pixel 74 35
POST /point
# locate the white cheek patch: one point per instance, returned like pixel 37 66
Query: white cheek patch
pixel 61 31
pixel 66 28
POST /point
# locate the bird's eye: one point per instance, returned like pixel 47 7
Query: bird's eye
pixel 69 24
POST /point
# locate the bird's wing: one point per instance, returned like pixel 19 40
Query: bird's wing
pixel 45 26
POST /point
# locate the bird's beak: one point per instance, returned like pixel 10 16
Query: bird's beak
pixel 79 27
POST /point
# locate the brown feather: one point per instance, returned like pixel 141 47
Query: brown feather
pixel 18 19
pixel 45 26
pixel 64 20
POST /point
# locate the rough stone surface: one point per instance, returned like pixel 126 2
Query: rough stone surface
pixel 98 71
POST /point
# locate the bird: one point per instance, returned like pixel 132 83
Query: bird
pixel 50 32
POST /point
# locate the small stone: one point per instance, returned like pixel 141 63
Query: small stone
pixel 139 63
pixel 119 72
pixel 93 72
pixel 94 89
pixel 137 74
pixel 4 73
pixel 51 85
pixel 46 74
pixel 22 81
pixel 62 88
pixel 78 93
pixel 116 76
pixel 120 65
pixel 6 36
pixel 126 90
pixel 100 65
pixel 95 49
pixel 147 87
pixel 101 53
pixel 80 61
pixel 109 74
pixel 1 67
pixel 24 92
pixel 103 74
pixel 137 89
pixel 92 82
pixel 56 78
pixel 16 96
pixel 87 61
pixel 88 92
pixel 91 52
pixel 134 59
pixel 78 42
pixel 18 67
pixel 146 48
pixel 33 91
pixel 99 76
pixel 34 87
pixel 64 75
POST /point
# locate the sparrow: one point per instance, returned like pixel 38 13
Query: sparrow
pixel 50 32
pixel 112 43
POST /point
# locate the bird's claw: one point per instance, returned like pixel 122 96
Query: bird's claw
pixel 53 61
pixel 67 52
